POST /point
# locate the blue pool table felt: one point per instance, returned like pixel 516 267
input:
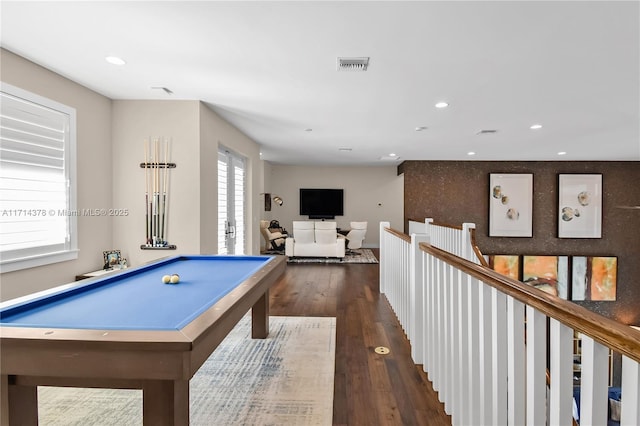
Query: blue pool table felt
pixel 137 299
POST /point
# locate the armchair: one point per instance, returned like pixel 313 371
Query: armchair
pixel 356 235
pixel 274 241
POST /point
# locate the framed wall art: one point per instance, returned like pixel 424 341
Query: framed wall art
pixel 506 264
pixel 547 273
pixel 267 202
pixel 594 277
pixel 111 258
pixel 510 205
pixel 579 206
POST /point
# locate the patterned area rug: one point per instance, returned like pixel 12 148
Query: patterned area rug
pixel 358 256
pixel 286 379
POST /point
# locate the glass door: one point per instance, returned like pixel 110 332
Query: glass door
pixel 231 202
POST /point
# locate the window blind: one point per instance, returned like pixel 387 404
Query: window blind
pixel 239 202
pixel 231 202
pixel 37 216
pixel 222 203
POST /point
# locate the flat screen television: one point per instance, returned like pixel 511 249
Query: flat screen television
pixel 321 203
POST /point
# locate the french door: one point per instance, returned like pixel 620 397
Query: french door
pixel 231 202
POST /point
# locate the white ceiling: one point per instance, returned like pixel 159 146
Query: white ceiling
pixel 270 69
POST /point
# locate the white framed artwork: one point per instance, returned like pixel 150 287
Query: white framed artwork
pixel 579 206
pixel 510 205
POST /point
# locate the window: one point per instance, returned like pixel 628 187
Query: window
pixel 37 180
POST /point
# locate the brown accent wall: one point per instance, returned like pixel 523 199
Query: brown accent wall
pixel 458 191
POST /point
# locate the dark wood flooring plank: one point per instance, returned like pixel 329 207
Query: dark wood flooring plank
pixel 369 389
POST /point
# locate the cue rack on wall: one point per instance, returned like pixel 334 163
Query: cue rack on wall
pixel 156 167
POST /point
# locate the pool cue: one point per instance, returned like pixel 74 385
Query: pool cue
pixel 158 240
pixel 165 190
pixel 150 204
pixel 155 195
pixel 152 189
pixel 159 232
pixel 168 182
pixel 169 148
pixel 146 192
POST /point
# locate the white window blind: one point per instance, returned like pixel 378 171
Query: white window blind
pixel 231 202
pixel 238 201
pixel 223 215
pixel 37 170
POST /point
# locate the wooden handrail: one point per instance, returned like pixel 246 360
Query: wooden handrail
pixel 476 249
pixel 398 234
pixel 446 225
pixel 474 246
pixel 619 337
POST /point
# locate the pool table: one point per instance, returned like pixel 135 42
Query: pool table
pixel 129 330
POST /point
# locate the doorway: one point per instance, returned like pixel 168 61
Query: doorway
pixel 231 202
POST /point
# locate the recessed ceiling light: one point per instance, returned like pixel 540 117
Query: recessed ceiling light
pixel 442 105
pixel 536 127
pixel 114 60
pixel 421 128
pixel 471 153
pixel 392 155
pixel 562 153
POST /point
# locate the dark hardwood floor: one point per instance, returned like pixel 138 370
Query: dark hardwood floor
pixel 369 389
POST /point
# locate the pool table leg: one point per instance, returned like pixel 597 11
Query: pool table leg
pixel 165 402
pixel 19 403
pixel 260 317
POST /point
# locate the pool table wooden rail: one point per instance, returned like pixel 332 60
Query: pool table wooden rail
pixel 159 362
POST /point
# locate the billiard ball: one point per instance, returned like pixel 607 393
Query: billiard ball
pixel 166 279
pixel 175 279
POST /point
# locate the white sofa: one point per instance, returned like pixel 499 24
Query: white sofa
pixel 315 239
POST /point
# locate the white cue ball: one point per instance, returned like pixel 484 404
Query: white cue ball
pixel 166 279
pixel 175 279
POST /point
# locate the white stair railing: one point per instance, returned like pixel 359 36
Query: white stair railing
pixel 482 337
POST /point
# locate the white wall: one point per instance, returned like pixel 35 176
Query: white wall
pixel 133 122
pixel 216 132
pixel 371 194
pixel 196 132
pixel 94 186
pixel 266 185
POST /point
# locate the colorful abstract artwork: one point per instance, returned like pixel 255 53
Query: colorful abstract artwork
pixel 507 265
pixel 547 273
pixel 594 278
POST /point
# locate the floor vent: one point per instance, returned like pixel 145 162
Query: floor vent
pixel 353 64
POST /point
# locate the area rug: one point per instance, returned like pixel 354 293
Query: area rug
pixel 286 379
pixel 358 256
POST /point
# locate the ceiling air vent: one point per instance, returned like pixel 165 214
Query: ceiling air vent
pixel 164 89
pixel 353 64
pixel 486 132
